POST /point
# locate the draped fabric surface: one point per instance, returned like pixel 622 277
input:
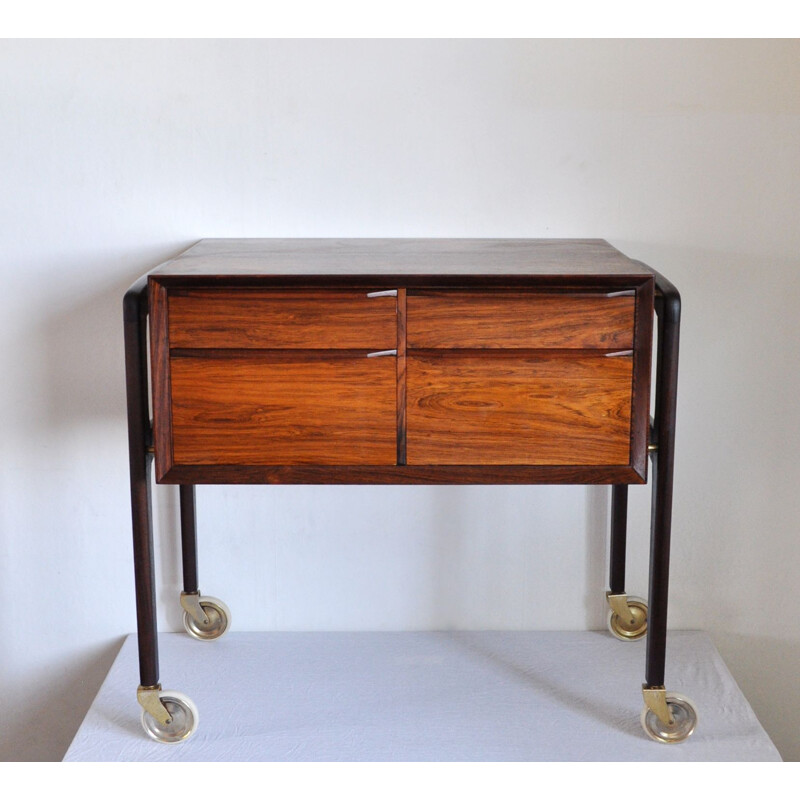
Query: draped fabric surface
pixel 422 696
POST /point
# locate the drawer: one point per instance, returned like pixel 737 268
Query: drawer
pixel 523 320
pixel 283 410
pixel 512 409
pixel 258 319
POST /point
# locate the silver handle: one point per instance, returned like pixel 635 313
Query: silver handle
pixel 624 293
pixel 385 293
pixel 378 353
pixel 619 353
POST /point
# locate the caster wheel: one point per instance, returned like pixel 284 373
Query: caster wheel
pixel 182 725
pixel 684 714
pixel 629 630
pixel 218 620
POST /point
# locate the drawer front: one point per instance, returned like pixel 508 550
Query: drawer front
pixel 253 319
pixel 508 409
pixel 280 410
pixel 524 320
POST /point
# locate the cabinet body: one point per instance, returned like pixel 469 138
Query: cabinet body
pixel 401 368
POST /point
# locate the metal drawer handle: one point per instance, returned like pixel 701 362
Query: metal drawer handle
pixel 625 293
pixel 378 353
pixel 386 293
pixel 619 353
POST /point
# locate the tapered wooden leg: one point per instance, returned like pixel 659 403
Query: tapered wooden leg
pixel 139 438
pixel 627 616
pixel 619 531
pixel 204 618
pixel 188 538
pixel 668 308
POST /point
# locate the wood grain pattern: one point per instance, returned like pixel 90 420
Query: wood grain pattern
pixel 534 410
pixel 642 355
pixel 402 297
pixel 452 319
pixel 410 474
pixel 258 281
pixel 160 367
pixel 260 258
pixel 247 318
pixel 260 410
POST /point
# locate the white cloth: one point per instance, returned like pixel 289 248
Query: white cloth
pixel 430 696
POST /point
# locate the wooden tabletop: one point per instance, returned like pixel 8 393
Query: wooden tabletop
pixel 424 257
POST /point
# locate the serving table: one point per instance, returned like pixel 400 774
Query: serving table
pixel 401 361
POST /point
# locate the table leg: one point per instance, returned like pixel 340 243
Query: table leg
pixel 668 309
pixel 619 532
pixel 205 618
pixel 139 440
pixel 188 538
pixel 627 616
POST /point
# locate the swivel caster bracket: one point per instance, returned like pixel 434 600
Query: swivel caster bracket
pixel 149 698
pixel 627 618
pixel 667 717
pixel 167 717
pixel 190 603
pixel 204 618
pixel 655 698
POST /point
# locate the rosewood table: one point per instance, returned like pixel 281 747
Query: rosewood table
pixel 402 361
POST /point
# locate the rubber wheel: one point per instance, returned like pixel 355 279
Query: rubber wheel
pixel 629 630
pixel 183 724
pixel 685 721
pixel 218 620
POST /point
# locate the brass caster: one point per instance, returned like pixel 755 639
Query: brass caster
pixel 168 717
pixel 149 698
pixel 627 617
pixel 666 717
pixel 204 618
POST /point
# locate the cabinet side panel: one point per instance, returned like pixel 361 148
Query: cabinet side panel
pixel 160 378
pixel 548 410
pixel 401 376
pixel 640 404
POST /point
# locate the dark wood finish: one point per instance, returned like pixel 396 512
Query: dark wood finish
pixel 642 355
pixel 263 410
pixel 160 368
pixel 402 305
pixel 399 475
pixel 135 308
pixel 246 318
pixel 243 259
pixel 545 410
pixel 188 537
pixel 669 317
pixel 555 282
pixel 619 535
pixel 458 319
